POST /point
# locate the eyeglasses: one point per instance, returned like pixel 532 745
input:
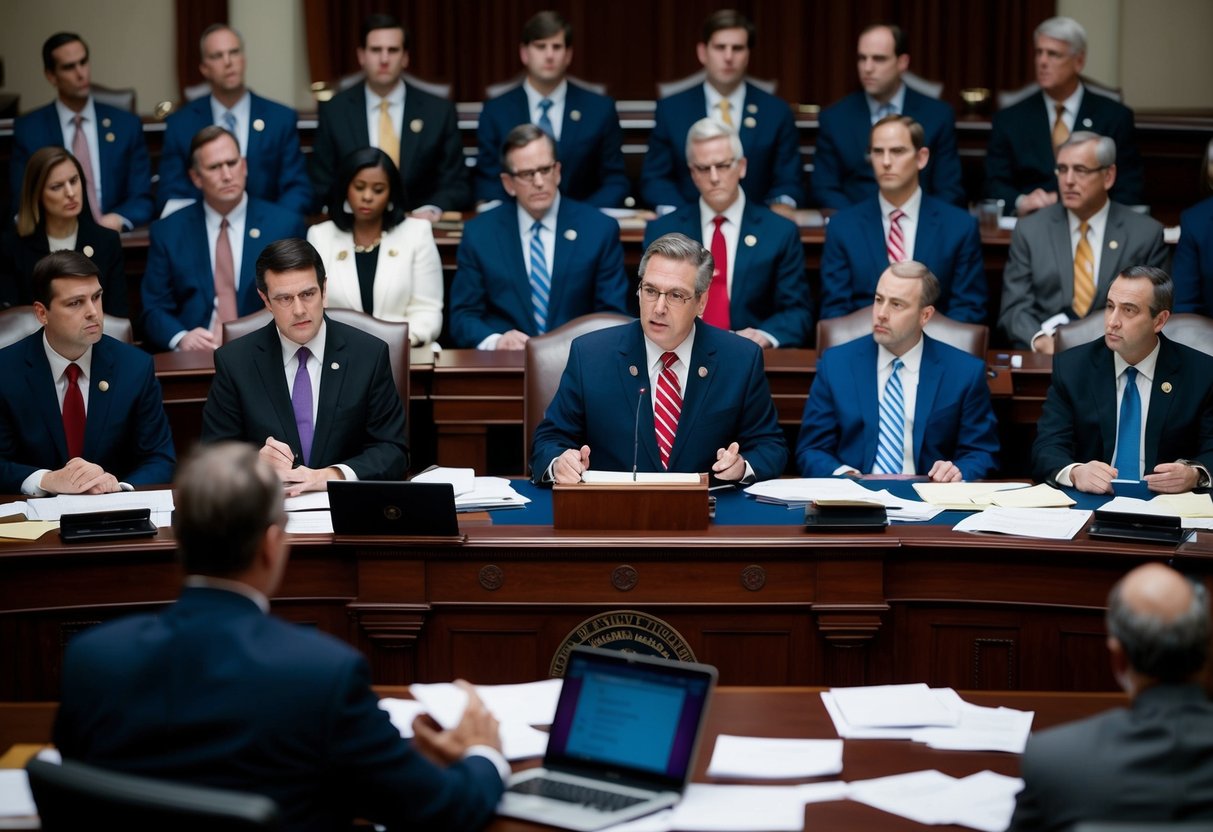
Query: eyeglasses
pixel 285 302
pixel 709 169
pixel 649 294
pixel 529 175
pixel 1077 170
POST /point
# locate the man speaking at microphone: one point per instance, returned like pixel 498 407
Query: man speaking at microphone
pixel 665 393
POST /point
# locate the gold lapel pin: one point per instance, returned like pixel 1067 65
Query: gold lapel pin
pixel 575 115
pixel 391 252
pixel 1112 244
pixel 751 108
pixel 751 240
pixel 416 125
pixel 750 121
pixel 87 251
pixel 570 235
pixel 258 125
pixel 105 122
pixel 103 386
pixel 703 372
pixel 632 369
pixel 109 137
pixel 1166 387
pixel 341 255
pixel 254 233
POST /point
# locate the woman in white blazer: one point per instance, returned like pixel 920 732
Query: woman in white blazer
pixel 378 260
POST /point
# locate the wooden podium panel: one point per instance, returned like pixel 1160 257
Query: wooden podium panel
pixel 631 506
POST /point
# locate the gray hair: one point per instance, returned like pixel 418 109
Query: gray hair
pixel 683 249
pixel 706 129
pixel 913 270
pixel 1167 650
pixel 1105 146
pixel 1065 29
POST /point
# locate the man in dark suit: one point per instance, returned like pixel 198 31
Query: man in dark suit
pixel 537 262
pixel 759 288
pixel 80 413
pixel 1152 762
pixel 216 692
pixel 418 130
pixel 842 175
pixel 584 124
pixel 316 395
pixel 200 267
pixel 267 131
pixel 1063 257
pixel 764 122
pixel 1023 142
pixel 1134 405
pixel 1192 267
pixel 898 401
pixel 901 222
pixel 705 388
pixel 107 141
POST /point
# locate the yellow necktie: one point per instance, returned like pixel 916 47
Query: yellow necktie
pixel 1084 273
pixel 725 115
pixel 389 142
pixel 1060 131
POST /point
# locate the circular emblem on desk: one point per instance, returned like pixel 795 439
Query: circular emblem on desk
pixel 392 512
pixel 753 577
pixel 628 630
pixel 492 577
pixel 625 578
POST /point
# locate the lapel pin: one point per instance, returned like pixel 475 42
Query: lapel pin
pixel 335 366
pixel 703 372
pixel 254 233
pixel 751 108
pixel 632 369
pixel 416 125
pixel 87 251
pixel 105 122
pixel 751 240
pixel 575 115
pixel 341 255
pixel 258 125
pixel 109 137
pixel 1086 122
pixel 1166 386
pixel 391 252
pixel 750 121
pixel 103 386
pixel 1112 244
pixel 570 235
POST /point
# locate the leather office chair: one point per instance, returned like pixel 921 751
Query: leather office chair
pixel 75 796
pixel 546 356
pixel 1007 98
pixel 1142 826
pixel 1082 331
pixel 17 322
pixel 665 90
pixel 1187 328
pixel 433 88
pixel 499 89
pixel 123 99
pixel 931 89
pixel 971 338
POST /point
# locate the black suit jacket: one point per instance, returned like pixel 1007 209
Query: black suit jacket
pixel 19 255
pixel 431 152
pixel 1078 423
pixel 359 421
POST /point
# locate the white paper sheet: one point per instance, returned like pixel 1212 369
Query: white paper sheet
pixel 308 501
pixel 1044 523
pixel 529 703
pixel 489 493
pixel 981 729
pixel 806 490
pixel 641 478
pixel 309 522
pixel 981 801
pixel 765 758
pixel 10 509
pixel 16 800
pixel 893 706
pixel 462 479
pixel 711 808
pixel 52 508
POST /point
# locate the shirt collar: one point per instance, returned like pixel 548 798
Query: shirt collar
pixel 912 358
pixel 59 363
pixel 653 352
pixel 234 216
pixel 910 209
pixel 712 98
pixel 1145 366
pixel 534 96
pixel 67 117
pixel 548 220
pixel 1071 103
pixel 898 101
pixel 237 109
pixel 394 98
pixel 1095 224
pixel 316 345
pixel 226 585
pixel 732 214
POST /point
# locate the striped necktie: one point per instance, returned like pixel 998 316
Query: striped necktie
pixel 897 241
pixel 890 451
pixel 667 407
pixel 1084 273
pixel 541 280
pixel 545 123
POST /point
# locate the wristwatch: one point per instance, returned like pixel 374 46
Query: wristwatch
pixel 1202 473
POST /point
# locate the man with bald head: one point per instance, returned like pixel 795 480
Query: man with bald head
pixel 1154 760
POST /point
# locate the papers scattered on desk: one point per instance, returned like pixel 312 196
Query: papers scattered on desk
pixel 27 530
pixel 517 708
pixel 764 758
pixel 798 493
pixel 892 706
pixel 593 477
pixel 1195 509
pixel 1045 523
pixel 16 799
pixel 711 808
pixel 52 508
pixel 10 509
pixel 983 801
pixel 962 496
pixel 308 501
pixel 463 480
pixel 490 494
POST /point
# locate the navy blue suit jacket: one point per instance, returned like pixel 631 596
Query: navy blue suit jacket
pixel 492 291
pixel 770 289
pixel 212 691
pixel 360 421
pixel 276 170
pixel 947 242
pixel 1020 156
pixel 1078 422
pixel 179 285
pixel 1192 266
pixel 727 400
pixel 19 255
pixel 768 136
pixel 590 149
pixel 431 151
pixel 953 419
pixel 842 174
pixel 125 430
pixel 124 168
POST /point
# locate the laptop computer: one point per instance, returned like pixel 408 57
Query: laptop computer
pixel 373 507
pixel 622 743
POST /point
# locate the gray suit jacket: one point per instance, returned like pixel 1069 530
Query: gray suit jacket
pixel 1153 761
pixel 1038 281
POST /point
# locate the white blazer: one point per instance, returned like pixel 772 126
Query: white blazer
pixel 408 275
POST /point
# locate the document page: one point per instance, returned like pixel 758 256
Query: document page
pixel 765 758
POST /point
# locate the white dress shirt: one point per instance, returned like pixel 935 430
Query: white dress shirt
pixel 67 121
pixel 243 113
pixel 548 237
pixel 212 219
pixel 555 112
pixel 908 223
pixel 897 104
pixel 395 110
pixel 912 361
pixel 315 366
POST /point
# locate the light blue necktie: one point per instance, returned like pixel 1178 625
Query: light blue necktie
pixel 1128 434
pixel 883 110
pixel 890 450
pixel 541 281
pixel 229 121
pixel 545 123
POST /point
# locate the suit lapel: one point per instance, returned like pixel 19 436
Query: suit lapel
pixel 98 415
pixel 1114 245
pixel 1063 253
pixel 1103 370
pixel 43 395
pixel 700 378
pixel 632 354
pixel 247 301
pixel 255 145
pixel 1166 369
pixel 929 377
pixel 570 128
pixel 410 139
pixel 268 361
pixel 515 260
pixel 562 255
pixel 875 245
pixel 332 378
pixel 928 233
pixel 105 149
pixel 864 381
pixel 745 122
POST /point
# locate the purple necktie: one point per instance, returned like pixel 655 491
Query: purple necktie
pixel 301 403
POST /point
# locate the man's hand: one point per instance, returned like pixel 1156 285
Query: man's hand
pixel 729 464
pixel 512 340
pixel 1043 344
pixel 198 339
pixel 1172 478
pixel 944 471
pixel 570 465
pixel 755 336
pixel 278 454
pixel 477 727
pixel 112 221
pixel 1093 477
pixel 429 213
pixel 79 477
pixel 1039 198
pixel 783 210
pixel 298 480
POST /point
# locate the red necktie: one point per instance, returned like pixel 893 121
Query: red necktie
pixel 667 407
pixel 716 312
pixel 897 242
pixel 80 151
pixel 225 281
pixel 73 413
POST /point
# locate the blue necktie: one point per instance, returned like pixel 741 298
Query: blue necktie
pixel 890 450
pixel 229 121
pixel 541 281
pixel 545 123
pixel 1128 434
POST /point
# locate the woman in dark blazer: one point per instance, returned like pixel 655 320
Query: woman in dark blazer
pixel 54 214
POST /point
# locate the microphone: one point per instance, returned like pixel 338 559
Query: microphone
pixel 636 431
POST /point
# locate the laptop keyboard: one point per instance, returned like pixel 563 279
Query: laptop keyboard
pixel 603 801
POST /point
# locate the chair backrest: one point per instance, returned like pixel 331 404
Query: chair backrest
pixel 971 338
pixel 665 90
pixel 123 99
pixel 1007 98
pixel 433 88
pixel 17 322
pixel 502 87
pixel 1195 331
pixel 76 796
pixel 546 356
pixel 931 89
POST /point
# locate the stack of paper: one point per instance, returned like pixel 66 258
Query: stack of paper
pixel 1045 523
pixel 799 493
pixel 52 508
pixel 982 801
pixel 489 494
pixel 974 496
pixel 1195 509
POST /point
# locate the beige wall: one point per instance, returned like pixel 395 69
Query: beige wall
pixel 1166 59
pixel 274 72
